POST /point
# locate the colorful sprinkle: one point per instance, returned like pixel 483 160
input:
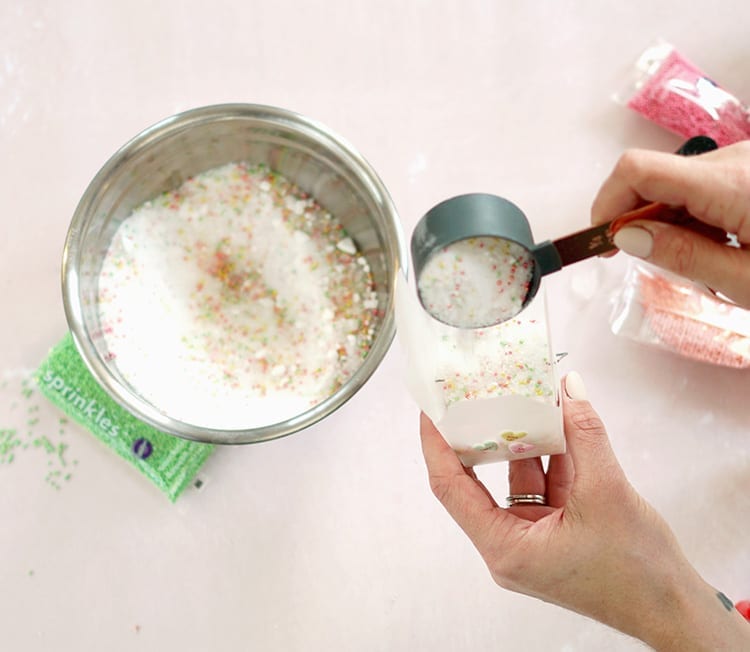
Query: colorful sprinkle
pixel 510 359
pixel 30 431
pixel 677 95
pixel 236 301
pixel 476 282
pixel 681 318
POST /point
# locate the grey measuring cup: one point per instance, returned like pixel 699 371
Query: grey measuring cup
pixel 476 262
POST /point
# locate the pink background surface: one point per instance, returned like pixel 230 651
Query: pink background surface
pixel 330 539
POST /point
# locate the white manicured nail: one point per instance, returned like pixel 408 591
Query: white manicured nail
pixel 635 241
pixel 574 386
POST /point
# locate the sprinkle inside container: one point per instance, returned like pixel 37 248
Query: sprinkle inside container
pixel 235 301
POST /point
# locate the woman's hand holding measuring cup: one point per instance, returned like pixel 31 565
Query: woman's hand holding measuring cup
pixel 477 264
pixel 713 187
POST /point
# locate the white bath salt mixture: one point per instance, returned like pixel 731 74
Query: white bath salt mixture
pixel 510 359
pixel 235 301
pixel 476 282
pixel 499 391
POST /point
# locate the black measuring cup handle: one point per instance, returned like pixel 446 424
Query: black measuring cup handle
pixel 546 257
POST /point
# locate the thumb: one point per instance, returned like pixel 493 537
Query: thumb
pixel 586 437
pixel 722 268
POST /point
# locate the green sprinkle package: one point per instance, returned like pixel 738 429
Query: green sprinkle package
pixel 168 461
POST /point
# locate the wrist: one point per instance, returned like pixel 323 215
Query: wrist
pixel 689 615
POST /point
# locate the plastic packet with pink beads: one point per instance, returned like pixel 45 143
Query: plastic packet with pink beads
pixel 671 91
pixel 661 309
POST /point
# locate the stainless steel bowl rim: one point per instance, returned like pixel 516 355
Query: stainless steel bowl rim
pixel 166 128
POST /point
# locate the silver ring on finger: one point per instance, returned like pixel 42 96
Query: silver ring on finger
pixel 526 499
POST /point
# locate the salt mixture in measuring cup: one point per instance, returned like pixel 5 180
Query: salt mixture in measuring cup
pixel 477 264
pixel 479 281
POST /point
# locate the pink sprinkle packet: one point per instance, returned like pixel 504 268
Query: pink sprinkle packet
pixel 674 93
pixel 672 313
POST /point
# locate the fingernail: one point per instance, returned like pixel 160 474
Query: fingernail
pixel 574 387
pixel 635 241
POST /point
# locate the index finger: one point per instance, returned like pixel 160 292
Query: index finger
pixel 461 495
pixel 713 187
pixel 643 175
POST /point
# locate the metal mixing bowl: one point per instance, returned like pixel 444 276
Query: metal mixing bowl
pixel 160 159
